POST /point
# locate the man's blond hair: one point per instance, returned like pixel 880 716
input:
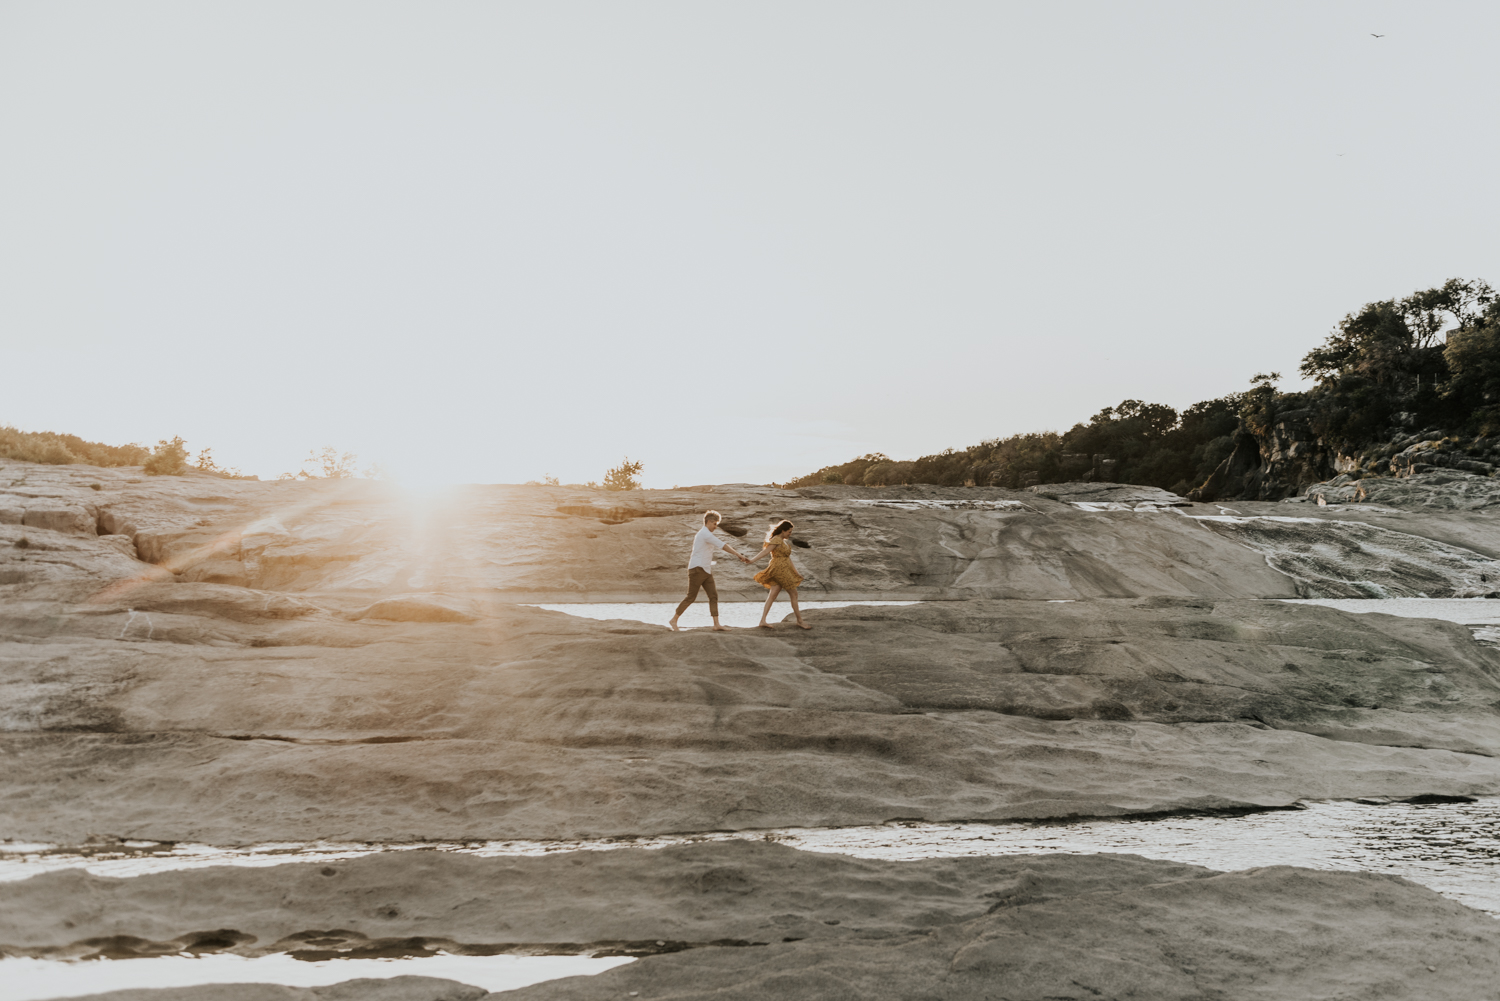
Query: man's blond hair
pixel 714 516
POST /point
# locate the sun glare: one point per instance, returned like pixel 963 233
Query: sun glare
pixel 420 490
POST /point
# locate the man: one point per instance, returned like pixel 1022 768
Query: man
pixel 701 569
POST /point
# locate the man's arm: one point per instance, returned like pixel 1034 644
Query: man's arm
pixel 730 549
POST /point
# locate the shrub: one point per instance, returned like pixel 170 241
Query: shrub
pixel 625 476
pixel 62 449
pixel 333 466
pixel 169 458
pixel 206 464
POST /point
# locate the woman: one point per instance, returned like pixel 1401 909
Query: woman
pixel 779 574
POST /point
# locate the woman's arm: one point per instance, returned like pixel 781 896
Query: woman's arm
pixel 763 550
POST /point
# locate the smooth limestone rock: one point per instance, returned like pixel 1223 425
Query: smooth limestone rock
pixel 1111 496
pixel 625 899
pixel 1267 933
pixel 545 544
pixel 758 920
pixel 238 662
pixel 541 544
pixel 185 717
pixel 1355 559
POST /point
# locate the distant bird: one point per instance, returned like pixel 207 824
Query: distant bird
pixel 1373 35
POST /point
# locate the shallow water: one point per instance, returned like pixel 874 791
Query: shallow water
pixel 31 979
pixel 1453 848
pixel 1468 611
pixel 1481 615
pixel 739 614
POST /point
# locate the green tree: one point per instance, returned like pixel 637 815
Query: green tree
pixel 625 476
pixel 1473 356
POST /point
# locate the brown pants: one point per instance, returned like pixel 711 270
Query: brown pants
pixel 699 577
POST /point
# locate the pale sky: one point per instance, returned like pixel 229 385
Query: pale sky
pixel 484 242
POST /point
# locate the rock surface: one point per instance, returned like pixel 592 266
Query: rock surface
pixel 755 920
pixel 406 988
pixel 235 662
pixel 153 705
pixel 1266 933
pixel 623 900
pixel 210 713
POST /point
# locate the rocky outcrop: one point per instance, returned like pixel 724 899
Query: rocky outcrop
pixel 1435 490
pixel 1428 456
pixel 1421 471
pixel 1280 462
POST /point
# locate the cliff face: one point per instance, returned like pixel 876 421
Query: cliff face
pixel 1280 462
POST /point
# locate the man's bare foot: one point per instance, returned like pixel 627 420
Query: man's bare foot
pixel 673 624
pixel 720 629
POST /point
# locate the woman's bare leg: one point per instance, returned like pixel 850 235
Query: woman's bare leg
pixel 795 610
pixel 770 600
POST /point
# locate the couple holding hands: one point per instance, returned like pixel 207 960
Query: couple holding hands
pixel 778 575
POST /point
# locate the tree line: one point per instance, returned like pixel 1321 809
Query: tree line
pixel 1430 360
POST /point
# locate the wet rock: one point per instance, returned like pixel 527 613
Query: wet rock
pixel 1359 560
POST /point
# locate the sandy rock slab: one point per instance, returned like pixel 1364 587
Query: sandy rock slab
pixel 757 920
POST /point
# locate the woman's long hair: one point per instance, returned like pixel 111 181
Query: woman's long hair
pixel 777 527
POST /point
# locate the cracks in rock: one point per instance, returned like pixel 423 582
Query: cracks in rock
pixel 379 739
pixel 341 943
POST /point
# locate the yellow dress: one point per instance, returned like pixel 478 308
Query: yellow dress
pixel 780 570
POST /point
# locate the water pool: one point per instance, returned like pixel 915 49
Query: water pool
pixel 738 614
pixel 35 979
pixel 1452 847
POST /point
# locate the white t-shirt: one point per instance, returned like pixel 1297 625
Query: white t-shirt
pixel 705 544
